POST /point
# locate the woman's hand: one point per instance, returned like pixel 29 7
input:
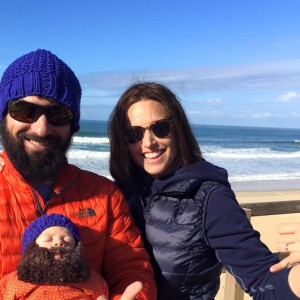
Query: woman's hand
pixel 288 241
pixel 130 293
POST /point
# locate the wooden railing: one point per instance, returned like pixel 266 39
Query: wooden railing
pixel 232 290
pixel 273 208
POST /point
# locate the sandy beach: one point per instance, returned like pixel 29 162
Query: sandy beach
pixel 266 225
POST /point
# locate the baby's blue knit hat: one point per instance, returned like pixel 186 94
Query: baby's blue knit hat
pixel 41 73
pixel 40 224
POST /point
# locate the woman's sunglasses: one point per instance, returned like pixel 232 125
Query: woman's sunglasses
pixel 27 112
pixel 160 128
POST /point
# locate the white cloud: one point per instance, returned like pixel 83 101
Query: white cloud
pixel 247 90
pixel 214 102
pixel 261 115
pixel 289 97
pixel 211 102
pixel 204 112
pixel 264 76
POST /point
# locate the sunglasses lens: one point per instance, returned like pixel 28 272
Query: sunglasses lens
pixel 23 111
pixel 161 128
pixel 27 112
pixel 134 134
pixel 59 115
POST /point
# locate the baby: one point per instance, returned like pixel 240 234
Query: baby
pixel 52 266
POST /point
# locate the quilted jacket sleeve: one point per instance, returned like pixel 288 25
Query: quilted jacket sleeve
pixel 239 248
pixel 125 259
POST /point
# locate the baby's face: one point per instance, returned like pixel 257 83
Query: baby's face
pixel 56 236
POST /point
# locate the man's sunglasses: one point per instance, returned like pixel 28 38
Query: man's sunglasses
pixel 160 128
pixel 27 112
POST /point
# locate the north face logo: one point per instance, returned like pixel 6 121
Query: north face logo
pixel 85 213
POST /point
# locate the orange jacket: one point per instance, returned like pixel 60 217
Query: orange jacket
pixel 112 244
pixel 11 288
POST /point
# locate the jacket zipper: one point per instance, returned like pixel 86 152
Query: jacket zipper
pixel 41 211
pixel 37 202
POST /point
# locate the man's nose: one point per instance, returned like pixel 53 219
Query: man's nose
pixel 41 127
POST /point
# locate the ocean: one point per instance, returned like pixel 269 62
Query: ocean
pixel 264 157
pixel 250 154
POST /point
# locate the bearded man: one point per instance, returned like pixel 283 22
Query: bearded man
pixel 39 114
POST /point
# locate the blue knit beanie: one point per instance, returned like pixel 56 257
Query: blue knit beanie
pixel 40 224
pixel 43 74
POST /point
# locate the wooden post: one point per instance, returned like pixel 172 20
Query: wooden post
pixel 232 289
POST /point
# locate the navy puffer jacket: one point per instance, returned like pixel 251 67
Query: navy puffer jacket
pixel 188 267
pixel 172 218
pixel 192 223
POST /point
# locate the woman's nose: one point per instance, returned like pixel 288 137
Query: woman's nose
pixel 148 138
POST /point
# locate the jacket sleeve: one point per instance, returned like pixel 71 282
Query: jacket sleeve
pixel 238 246
pixel 125 258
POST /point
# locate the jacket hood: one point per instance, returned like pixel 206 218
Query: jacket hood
pixel 200 171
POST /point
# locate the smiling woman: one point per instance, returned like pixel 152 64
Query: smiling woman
pixel 152 146
pixel 186 210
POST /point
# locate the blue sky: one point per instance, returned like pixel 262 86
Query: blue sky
pixel 231 62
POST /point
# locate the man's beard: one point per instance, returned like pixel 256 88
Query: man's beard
pixel 38 265
pixel 42 166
